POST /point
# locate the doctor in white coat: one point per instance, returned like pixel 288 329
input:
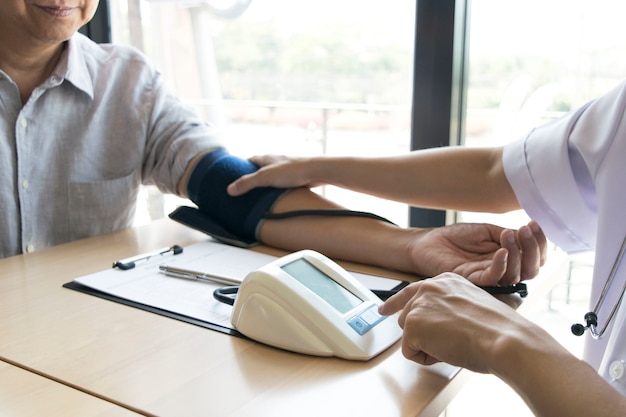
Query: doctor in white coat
pixel 570 177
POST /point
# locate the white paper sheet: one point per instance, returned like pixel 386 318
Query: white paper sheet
pixel 146 285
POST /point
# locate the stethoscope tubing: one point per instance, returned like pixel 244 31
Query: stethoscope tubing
pixel 591 318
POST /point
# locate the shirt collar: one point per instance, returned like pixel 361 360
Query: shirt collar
pixel 73 67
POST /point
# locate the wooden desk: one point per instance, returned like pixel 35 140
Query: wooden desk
pixel 154 365
pixel 23 393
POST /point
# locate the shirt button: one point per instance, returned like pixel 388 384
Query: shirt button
pixel 25 184
pixel 616 370
pixel 23 123
pixel 30 248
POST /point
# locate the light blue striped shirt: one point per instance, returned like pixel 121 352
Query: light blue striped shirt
pixel 75 155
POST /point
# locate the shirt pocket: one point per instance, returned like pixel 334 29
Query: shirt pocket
pixel 100 207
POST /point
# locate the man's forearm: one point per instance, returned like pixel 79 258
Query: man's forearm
pixel 349 238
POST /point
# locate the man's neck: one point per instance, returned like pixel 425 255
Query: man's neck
pixel 28 65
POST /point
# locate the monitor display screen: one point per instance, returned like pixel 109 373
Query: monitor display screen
pixel 322 285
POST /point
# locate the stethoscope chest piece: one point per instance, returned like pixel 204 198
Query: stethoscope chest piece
pixel 591 318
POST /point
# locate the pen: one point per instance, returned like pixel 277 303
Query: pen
pixel 171 271
pixel 129 263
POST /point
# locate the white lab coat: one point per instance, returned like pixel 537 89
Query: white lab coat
pixel 570 176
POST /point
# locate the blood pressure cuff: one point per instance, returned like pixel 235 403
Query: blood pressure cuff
pixel 240 216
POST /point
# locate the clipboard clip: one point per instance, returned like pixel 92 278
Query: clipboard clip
pixel 129 263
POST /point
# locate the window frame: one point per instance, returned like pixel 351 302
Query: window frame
pixel 439 86
pixel 99 27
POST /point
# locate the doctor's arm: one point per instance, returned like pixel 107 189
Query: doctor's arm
pixel 447 319
pixel 457 178
pixel 485 254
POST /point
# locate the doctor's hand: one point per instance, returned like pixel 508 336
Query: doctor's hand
pixel 448 319
pixel 485 254
pixel 276 171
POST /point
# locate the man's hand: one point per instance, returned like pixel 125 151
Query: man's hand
pixel 485 254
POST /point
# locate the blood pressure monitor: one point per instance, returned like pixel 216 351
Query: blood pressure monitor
pixel 306 303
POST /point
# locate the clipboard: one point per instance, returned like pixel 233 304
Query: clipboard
pixel 144 287
pixel 156 310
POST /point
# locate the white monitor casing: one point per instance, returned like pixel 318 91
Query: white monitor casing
pixel 276 308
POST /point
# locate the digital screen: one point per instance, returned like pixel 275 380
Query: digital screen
pixel 321 284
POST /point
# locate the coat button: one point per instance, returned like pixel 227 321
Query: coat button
pixel 616 370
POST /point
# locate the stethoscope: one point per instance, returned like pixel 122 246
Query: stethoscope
pixel 591 318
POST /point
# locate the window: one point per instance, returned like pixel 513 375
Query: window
pixel 532 61
pixel 278 76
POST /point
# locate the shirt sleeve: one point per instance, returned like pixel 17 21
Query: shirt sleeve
pixel 550 182
pixel 176 134
pixel 568 175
